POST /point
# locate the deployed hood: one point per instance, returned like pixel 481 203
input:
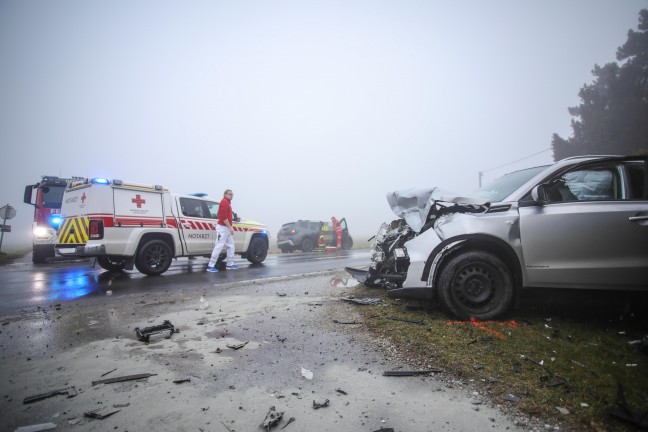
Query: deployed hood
pixel 414 205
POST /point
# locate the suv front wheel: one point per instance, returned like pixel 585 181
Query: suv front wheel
pixel 476 284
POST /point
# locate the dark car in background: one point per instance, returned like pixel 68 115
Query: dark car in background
pixel 311 235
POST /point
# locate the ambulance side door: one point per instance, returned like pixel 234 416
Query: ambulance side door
pixel 197 226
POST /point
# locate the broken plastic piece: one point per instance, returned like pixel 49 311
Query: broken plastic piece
pixel 345 322
pixel 410 372
pixel 146 333
pixel 290 420
pixel 272 418
pixel 365 301
pixel 562 410
pixel 203 303
pixel 69 391
pixel 123 378
pixel 318 405
pixel 183 380
pixel 237 346
pixel 306 373
pixel 509 397
pixel 341 391
pixel 95 414
pixel 36 427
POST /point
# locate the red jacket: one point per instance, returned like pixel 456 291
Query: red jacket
pixel 225 212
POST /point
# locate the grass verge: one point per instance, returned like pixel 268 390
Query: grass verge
pixel 558 359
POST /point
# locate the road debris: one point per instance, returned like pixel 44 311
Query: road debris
pixel 182 380
pixel 306 373
pixel 410 372
pixel 509 397
pixel 341 391
pixel 385 430
pixel 106 373
pixel 123 378
pixel 226 427
pixel 623 411
pixel 290 420
pixel 36 427
pixel 237 346
pixel 272 418
pixel 345 322
pixel 364 301
pixel 96 414
pixel 145 334
pixel 562 410
pixel 203 303
pixel 281 294
pixel 318 405
pixel 68 391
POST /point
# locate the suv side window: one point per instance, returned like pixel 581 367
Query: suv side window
pixel 637 181
pixel 590 184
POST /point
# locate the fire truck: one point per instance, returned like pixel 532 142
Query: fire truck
pixel 47 208
pixel 125 225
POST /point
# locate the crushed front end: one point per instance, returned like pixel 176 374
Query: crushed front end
pixel 393 251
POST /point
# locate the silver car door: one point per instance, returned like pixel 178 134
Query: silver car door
pixel 588 236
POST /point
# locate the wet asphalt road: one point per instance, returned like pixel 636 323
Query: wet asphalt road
pixel 25 286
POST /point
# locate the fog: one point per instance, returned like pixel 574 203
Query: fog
pixel 305 109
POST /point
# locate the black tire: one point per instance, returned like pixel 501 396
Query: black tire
pixel 112 264
pixel 347 243
pixel 257 250
pixel 41 253
pixel 307 245
pixel 477 285
pixel 153 258
pixel 286 250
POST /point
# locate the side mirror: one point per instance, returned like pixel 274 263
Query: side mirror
pixel 27 199
pixel 539 194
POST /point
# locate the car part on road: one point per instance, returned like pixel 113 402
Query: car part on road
pixel 95 414
pixel 145 334
pixel 318 405
pixel 290 420
pixel 68 391
pixel 123 378
pixel 237 346
pixel 400 373
pixel 272 418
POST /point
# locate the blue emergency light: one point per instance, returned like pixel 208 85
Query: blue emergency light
pixel 100 180
pixel 55 221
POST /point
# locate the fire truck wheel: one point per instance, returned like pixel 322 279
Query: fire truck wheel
pixel 153 258
pixel 111 263
pixel 257 250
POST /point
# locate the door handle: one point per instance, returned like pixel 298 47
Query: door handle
pixel 638 218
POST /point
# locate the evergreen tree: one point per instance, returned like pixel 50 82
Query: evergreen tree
pixel 613 115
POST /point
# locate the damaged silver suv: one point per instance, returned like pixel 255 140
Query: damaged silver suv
pixel 579 223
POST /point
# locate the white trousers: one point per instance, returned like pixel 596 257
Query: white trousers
pixel 225 238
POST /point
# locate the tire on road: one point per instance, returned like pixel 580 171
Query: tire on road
pixel 153 258
pixel 476 284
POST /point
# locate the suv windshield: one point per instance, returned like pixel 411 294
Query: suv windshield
pixel 504 186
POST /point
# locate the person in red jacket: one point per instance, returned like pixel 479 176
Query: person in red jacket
pixel 338 231
pixel 225 232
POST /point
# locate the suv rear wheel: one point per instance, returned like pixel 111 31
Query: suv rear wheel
pixel 307 244
pixel 476 284
pixel 153 258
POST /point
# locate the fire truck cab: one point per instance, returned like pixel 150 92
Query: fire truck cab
pixel 47 208
pixel 125 224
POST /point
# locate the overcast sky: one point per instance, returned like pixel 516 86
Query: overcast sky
pixel 306 109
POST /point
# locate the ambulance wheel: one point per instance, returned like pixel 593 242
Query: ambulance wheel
pixel 111 263
pixel 153 258
pixel 257 250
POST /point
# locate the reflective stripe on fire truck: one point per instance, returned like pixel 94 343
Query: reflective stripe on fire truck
pixel 74 231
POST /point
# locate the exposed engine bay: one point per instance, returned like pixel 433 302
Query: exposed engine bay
pixel 418 210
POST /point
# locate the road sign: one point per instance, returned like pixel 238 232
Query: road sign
pixel 7 212
pixel 5 228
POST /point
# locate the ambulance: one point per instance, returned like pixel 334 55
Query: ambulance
pixel 125 225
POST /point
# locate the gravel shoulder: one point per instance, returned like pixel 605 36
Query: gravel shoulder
pixel 287 326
